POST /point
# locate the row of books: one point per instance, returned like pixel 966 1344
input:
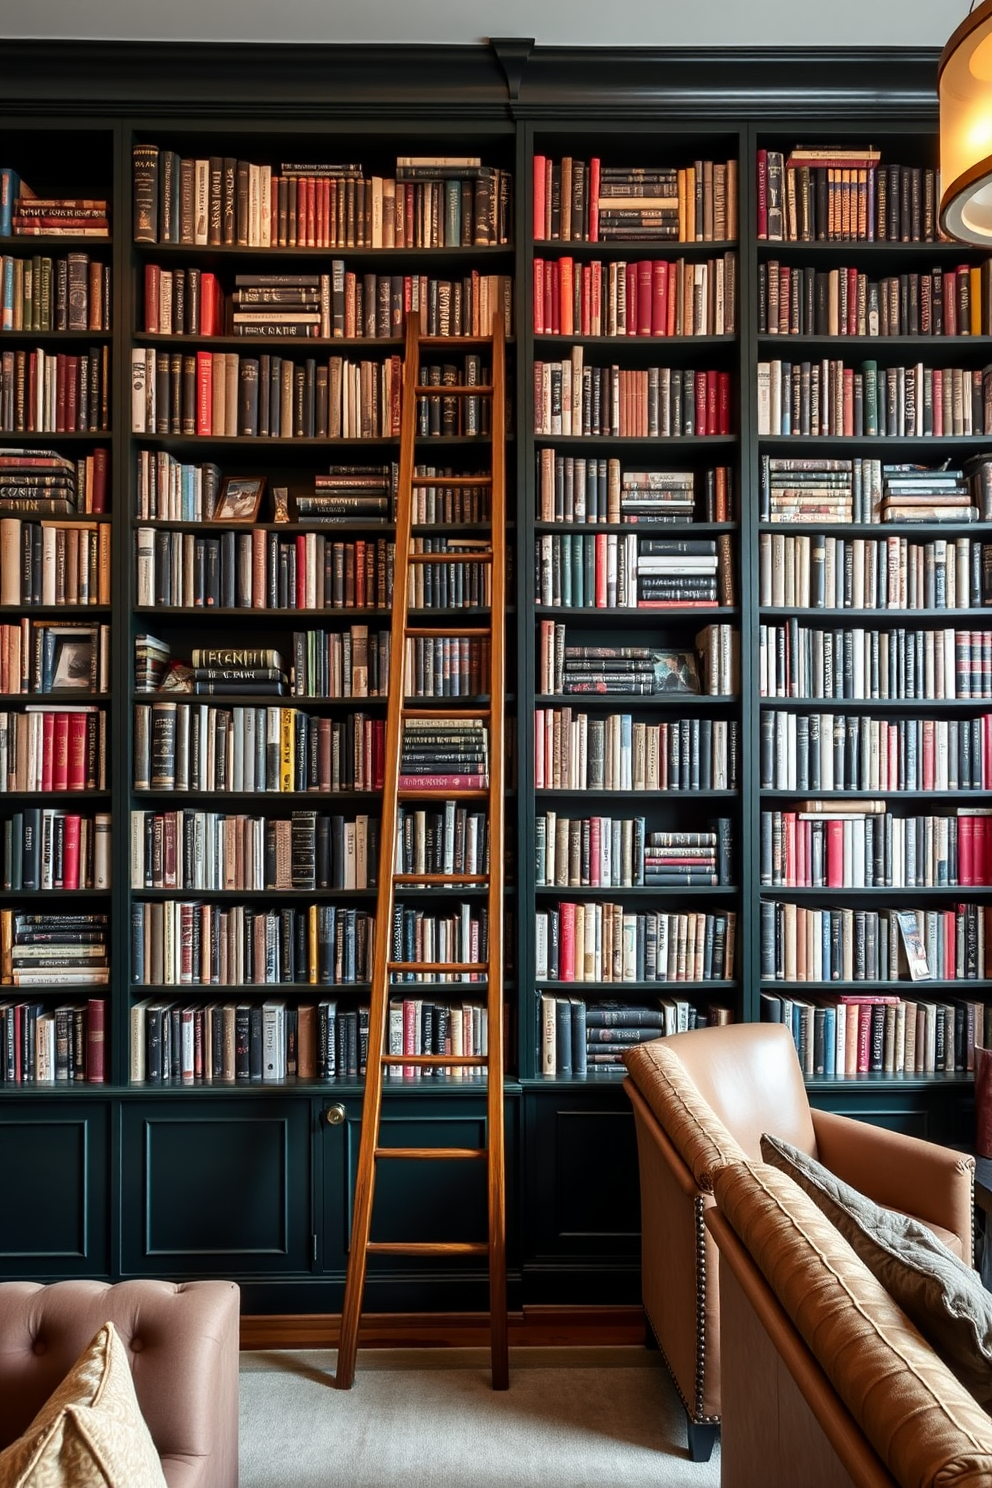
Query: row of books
pixel 437 415
pixel 649 297
pixel 712 668
pixel 812 751
pixel 54 294
pixel 55 392
pixel 192 302
pixel 178 942
pixel 47 656
pixel 638 403
pixel 810 489
pixel 41 948
pixel 348 663
pixel 464 585
pixel 847 1036
pixel 444 753
pixel 42 1045
pixel 800 661
pixel 221 394
pixel 587 201
pixel 843 194
pixel 422 1026
pixel 451 839
pixel 828 398
pixel 54 562
pixel 797 301
pixel 432 203
pixel 457 938
pixel 858 844
pixel 201 747
pixel 574 488
pixel 821 572
pixel 261 569
pixel 36 481
pixel 800 944
pixel 611 943
pixel 54 748
pixel 574 751
pixel 620 852
pixel 222 850
pixel 447 666
pixel 47 848
pixel 607 570
pixel 227 1043
pixel 24 214
pixel 579 1036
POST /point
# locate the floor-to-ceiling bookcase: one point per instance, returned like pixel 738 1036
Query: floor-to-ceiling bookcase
pixel 252 1178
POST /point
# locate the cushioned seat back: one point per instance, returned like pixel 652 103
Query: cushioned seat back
pixel 748 1075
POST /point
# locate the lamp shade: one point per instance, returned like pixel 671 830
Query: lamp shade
pixel 964 85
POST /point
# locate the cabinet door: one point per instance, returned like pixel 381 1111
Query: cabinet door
pixel 218 1186
pixel 54 1159
pixel 417 1200
pixel 582 1208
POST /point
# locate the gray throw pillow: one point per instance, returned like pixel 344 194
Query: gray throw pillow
pixel 936 1290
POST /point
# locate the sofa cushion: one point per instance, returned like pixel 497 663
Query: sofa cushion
pixel 90 1432
pixel 943 1296
pixel 701 1140
pixel 924 1426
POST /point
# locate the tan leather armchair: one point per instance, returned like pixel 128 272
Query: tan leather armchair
pixel 703 1099
pixel 182 1341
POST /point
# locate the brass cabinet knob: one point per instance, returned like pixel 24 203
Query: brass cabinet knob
pixel 335 1114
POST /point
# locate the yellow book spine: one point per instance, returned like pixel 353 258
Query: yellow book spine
pixel 287 749
pixel 312 956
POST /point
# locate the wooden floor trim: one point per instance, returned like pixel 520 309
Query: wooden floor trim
pixel 534 1327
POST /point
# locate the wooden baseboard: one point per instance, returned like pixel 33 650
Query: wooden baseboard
pixel 534 1327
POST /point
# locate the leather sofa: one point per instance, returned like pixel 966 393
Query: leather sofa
pixel 182 1341
pixel 825 1381
pixel 703 1099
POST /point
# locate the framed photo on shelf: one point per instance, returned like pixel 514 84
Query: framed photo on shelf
pixel 675 671
pixel 240 498
pixel 73 664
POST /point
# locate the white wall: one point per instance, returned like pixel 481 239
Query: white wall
pixel 553 22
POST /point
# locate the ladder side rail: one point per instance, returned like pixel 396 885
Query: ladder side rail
pixel 372 1103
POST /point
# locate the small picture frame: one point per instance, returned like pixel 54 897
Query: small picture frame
pixel 72 660
pixel 675 671
pixel 240 498
pixel 916 954
pixel 280 503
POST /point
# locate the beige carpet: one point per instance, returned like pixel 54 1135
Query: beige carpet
pixel 427 1418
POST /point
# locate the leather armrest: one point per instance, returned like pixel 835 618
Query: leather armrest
pixel 933 1183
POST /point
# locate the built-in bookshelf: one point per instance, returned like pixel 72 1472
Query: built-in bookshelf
pixel 264 478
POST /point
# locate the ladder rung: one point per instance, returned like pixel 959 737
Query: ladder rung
pixel 427 1061
pixel 437 966
pixel 484 555
pixel 427 340
pixel 428 1248
pixel 446 1153
pixel 452 480
pixel 459 389
pixel 473 632
pixel 441 878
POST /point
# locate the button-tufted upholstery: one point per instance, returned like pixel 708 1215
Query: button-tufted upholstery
pixel 182 1342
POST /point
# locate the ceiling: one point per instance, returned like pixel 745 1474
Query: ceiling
pixel 911 23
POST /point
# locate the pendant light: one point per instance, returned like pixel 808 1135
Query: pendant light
pixel 964 86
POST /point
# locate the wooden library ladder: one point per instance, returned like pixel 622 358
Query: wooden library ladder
pixel 490 970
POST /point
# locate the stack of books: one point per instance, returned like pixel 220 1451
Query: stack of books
pixel 259 671
pixel 37 481
pixel 49 216
pixel 151 663
pixel 276 305
pixel 911 493
pixel 445 754
pixel 351 493
pixel 45 950
pixel 657 495
pixel 689 858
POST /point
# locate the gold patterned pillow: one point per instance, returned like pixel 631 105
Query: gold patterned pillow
pixel 90 1432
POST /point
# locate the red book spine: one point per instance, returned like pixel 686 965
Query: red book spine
pixel 602 548
pixel 966 850
pixel 70 853
pixel 96 1013
pixel 96 500
pixel 566 296
pixel 566 942
pixel 929 777
pixel 835 854
pixel 629 326
pixel 56 768
pixel 60 392
pixel 594 170
pixel 539 198
pixel 938 401
pixel 301 571
pixel 204 392
pixel 595 849
pixel 312 213
pixel 552 290
pixel 864 1036
pixel 411 1036
pixel 673 291
pixel 645 297
pixel 539 311
pixel 852 302
pixel 951 302
pixel 78 723
pixel 848 424
pixel 713 403
pixel 659 298
pixel 702 379
pixel 211 301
